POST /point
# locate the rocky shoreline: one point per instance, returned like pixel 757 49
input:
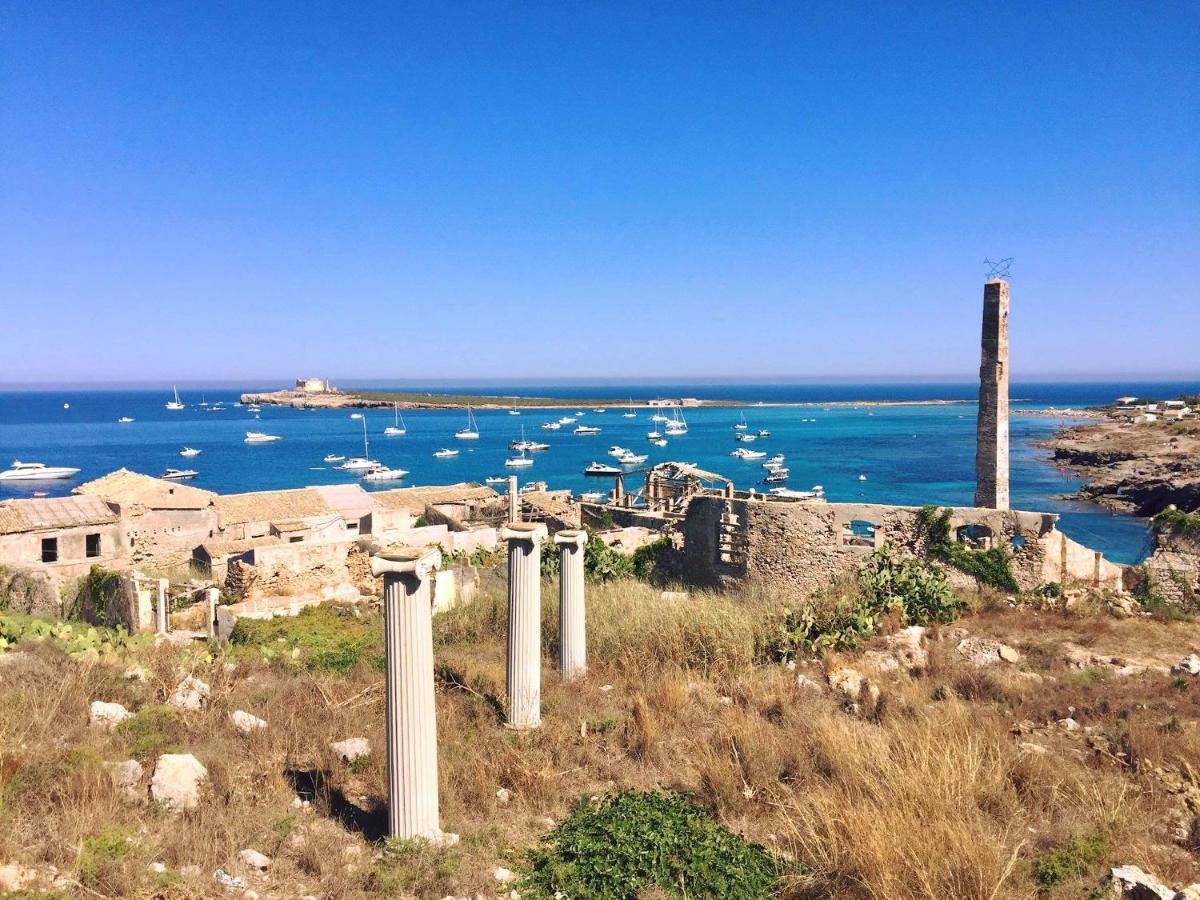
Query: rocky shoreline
pixel 1140 469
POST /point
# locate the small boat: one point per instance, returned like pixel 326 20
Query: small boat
pixel 776 476
pixel 579 412
pixel 178 474
pixel 203 399
pixel 743 453
pixel 601 469
pixel 471 431
pixel 383 473
pixel 599 409
pixel 532 486
pixel 398 427
pixel 189 451
pixel 776 460
pixel 742 425
pixel 125 420
pixel 496 479
pixel 762 432
pixel 592 497
pixel 659 417
pixel 66 406
pixel 514 412
pixel 817 493
pixel 535 446
pixel 567 420
pixel 359 464
pixel 587 429
pixel 356 415
pixel 617 450
pixel 176 403
pixel 551 426
pixel 744 437
pixel 445 453
pixel 629 413
pixel 632 459
pixel 334 457
pixel 660 442
pixel 862 477
pixel 259 437
pixel 22 471
pixel 653 434
pixel 518 462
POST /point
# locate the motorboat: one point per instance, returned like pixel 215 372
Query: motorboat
pixel 445 453
pixel 356 415
pixel 745 437
pixel 176 403
pixel 632 459
pixel 579 412
pixel 653 434
pixel 471 431
pixel 532 487
pixel 397 427
pixel 617 450
pixel 253 407
pixel 178 474
pixel 514 412
pixel 535 446
pixel 334 457
pixel 776 476
pixel 567 420
pixel 592 497
pixel 743 453
pixel 551 426
pixel 359 464
pixel 125 420
pixel 23 471
pixel 776 460
pixel 587 429
pixel 817 493
pixel 496 479
pixel 599 409
pixel 383 473
pixel 189 451
pixel 601 469
pixel 862 477
pixel 260 437
pixel 762 432
pixel 660 442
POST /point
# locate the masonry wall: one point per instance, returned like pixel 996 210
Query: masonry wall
pixel 26 549
pixel 167 537
pixel 805 545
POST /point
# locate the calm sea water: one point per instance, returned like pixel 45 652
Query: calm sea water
pixel 909 454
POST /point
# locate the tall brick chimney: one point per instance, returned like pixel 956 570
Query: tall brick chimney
pixel 991 431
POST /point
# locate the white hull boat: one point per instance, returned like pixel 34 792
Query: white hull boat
pixel 125 420
pixel 259 437
pixel 495 479
pixel 518 462
pixel 178 474
pixel 471 432
pixel 445 453
pixel 334 457
pixel 358 464
pixel 36 472
pixel 176 403
pixel 397 428
pixel 383 473
pixel 601 469
pixel 587 429
pixel 189 451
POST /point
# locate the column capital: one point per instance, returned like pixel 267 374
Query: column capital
pixel 533 532
pixel 571 537
pixel 419 561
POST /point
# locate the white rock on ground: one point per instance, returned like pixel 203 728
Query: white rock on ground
pixel 805 683
pixel 15 877
pixel 134 673
pixel 1189 665
pixel 981 652
pixel 254 859
pixel 177 780
pixel 351 748
pixel 503 796
pixel 246 722
pixel 1131 883
pixel 126 775
pixel 108 715
pixel 503 875
pixel 190 694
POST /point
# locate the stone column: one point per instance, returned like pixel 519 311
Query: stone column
pixel 212 597
pixel 412 766
pixel 991 430
pixel 524 623
pixel 572 623
pixel 514 500
pixel 164 622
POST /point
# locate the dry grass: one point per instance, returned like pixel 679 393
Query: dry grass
pixel 934 798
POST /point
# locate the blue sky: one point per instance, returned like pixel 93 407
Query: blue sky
pixel 509 190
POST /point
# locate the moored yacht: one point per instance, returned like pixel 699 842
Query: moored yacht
pixel 189 451
pixel 471 431
pixel 176 403
pixel 598 468
pixel 334 457
pixel 125 420
pixel 178 474
pixel 23 471
pixel 398 427
pixel 445 453
pixel 383 473
pixel 587 429
pixel 261 437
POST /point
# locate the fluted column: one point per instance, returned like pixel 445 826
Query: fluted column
pixel 212 597
pixel 412 766
pixel 572 630
pixel 514 500
pixel 164 623
pixel 524 623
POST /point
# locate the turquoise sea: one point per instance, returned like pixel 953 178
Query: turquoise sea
pixel 909 454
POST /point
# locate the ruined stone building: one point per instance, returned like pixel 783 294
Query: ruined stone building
pixel 62 536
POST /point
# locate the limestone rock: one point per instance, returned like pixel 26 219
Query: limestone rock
pixel 907 647
pixel 108 715
pixel 1191 892
pixel 855 688
pixel 805 683
pixel 134 673
pixel 126 775
pixel 190 694
pixel 503 796
pixel 255 860
pixel 1131 883
pixel 981 652
pixel 15 877
pixel 177 780
pixel 503 875
pixel 351 748
pixel 246 722
pixel 1189 665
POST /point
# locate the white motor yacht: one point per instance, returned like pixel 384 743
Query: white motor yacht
pixel 495 479
pixel 178 474
pixel 397 428
pixel 356 415
pixel 660 442
pixel 334 457
pixel 598 468
pixel 514 412
pixel 23 471
pixel 744 437
pixel 567 420
pixel 189 451
pixel 743 453
pixel 176 403
pixel 125 420
pixel 471 431
pixel 776 460
pixel 445 453
pixel 587 429
pixel 261 437
pixel 592 497
pixel 617 450
pixel 359 464
pixel 383 473
pixel 551 426
pixel 632 459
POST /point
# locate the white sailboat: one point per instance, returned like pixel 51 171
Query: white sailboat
pixel 629 413
pixel 176 403
pixel 742 425
pixel 471 431
pixel 364 462
pixel 399 427
pixel 677 424
pixel 522 461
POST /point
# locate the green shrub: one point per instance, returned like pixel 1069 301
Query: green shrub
pixel 620 846
pixel 910 585
pixel 992 567
pixel 153 730
pixel 649 558
pixel 75 638
pixel 100 854
pixel 1174 521
pixel 602 563
pixel 324 638
pixel 1072 859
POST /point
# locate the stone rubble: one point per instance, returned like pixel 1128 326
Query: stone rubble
pixel 1189 665
pixel 190 694
pixel 245 722
pixel 351 748
pixel 107 715
pixel 127 776
pixel 981 652
pixel 255 860
pixel 177 780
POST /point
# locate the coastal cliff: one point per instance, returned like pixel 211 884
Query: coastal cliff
pixel 1134 468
